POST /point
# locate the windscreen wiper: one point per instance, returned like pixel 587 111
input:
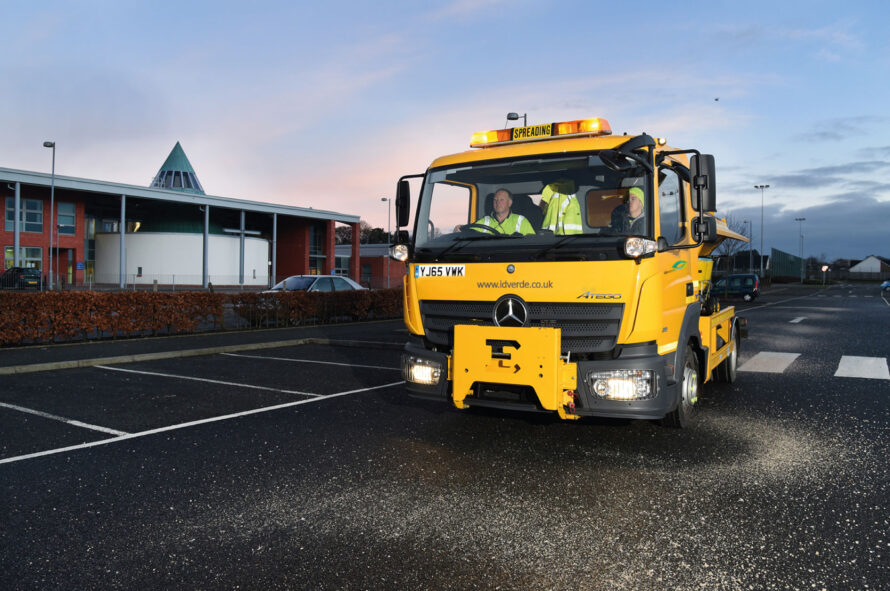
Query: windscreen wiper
pixel 461 241
pixel 558 244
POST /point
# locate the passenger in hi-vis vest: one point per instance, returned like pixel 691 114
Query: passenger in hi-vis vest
pixel 628 217
pixel 562 212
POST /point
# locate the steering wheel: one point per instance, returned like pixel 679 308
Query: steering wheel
pixel 478 226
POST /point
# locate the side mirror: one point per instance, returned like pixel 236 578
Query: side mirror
pixel 704 188
pixel 704 229
pixel 403 203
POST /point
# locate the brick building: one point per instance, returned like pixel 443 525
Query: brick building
pixel 117 234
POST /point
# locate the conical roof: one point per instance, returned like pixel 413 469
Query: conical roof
pixel 177 173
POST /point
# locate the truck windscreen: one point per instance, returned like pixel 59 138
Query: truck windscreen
pixel 537 202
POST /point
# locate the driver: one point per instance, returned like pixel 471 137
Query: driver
pixel 502 220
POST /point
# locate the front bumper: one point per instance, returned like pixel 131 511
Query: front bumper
pixel 576 388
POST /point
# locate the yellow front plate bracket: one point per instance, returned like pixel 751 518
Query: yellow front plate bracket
pixel 522 356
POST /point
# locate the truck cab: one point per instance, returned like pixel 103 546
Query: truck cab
pixel 596 307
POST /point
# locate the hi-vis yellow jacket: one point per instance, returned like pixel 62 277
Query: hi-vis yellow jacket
pixel 513 223
pixel 563 210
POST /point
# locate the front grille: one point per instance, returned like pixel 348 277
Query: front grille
pixel 586 328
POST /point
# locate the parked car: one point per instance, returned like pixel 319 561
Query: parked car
pixel 885 286
pixel 316 283
pixel 21 278
pixel 744 285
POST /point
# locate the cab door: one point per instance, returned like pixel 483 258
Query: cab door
pixel 676 265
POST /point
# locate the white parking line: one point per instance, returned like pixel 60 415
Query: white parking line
pixel 797 320
pixel 190 424
pixel 874 368
pixel 72 422
pixel 311 361
pixel 209 381
pixel 773 304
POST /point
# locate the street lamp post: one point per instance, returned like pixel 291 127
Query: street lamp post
pixel 802 263
pixel 388 234
pixel 761 187
pixel 750 252
pixel 516 116
pixel 52 209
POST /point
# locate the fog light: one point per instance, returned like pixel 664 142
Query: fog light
pixel 623 384
pixel 421 371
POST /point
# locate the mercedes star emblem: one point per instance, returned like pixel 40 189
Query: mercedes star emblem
pixel 510 311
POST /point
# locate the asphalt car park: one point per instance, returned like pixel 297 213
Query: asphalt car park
pixel 86 405
pixel 304 466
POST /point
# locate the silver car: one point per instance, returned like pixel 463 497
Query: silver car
pixel 316 283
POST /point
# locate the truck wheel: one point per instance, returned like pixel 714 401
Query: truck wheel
pixel 681 417
pixel 748 297
pixel 728 369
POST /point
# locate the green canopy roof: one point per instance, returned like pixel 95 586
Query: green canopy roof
pixel 177 173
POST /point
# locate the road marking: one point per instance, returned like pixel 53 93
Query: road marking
pixel 209 381
pixel 874 368
pixel 746 310
pixel 769 362
pixel 311 361
pixel 47 415
pixel 797 320
pixel 191 424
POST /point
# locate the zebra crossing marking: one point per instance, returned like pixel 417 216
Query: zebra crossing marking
pixel 874 368
pixel 769 362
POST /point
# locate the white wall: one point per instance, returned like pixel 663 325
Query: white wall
pixel 870 265
pixel 177 258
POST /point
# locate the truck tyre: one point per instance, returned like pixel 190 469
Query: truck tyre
pixel 690 388
pixel 728 369
pixel 748 297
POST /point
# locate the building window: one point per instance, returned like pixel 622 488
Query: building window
pixel 66 219
pixel 29 256
pixel 89 245
pixel 366 274
pixel 342 266
pixel 31 215
pixel 316 246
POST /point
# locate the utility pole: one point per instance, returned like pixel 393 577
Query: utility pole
pixel 761 187
pixel 802 262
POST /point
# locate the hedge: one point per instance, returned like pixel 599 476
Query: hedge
pixel 50 317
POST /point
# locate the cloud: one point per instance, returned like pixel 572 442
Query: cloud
pixel 837 129
pixel 464 8
pixel 851 225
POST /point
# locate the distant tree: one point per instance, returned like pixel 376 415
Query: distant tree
pixel 377 236
pixel 343 234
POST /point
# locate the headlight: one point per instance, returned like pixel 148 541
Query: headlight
pixel 635 247
pixel 399 252
pixel 622 384
pixel 421 371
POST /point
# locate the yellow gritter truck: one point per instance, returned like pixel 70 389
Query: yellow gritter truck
pixel 599 305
